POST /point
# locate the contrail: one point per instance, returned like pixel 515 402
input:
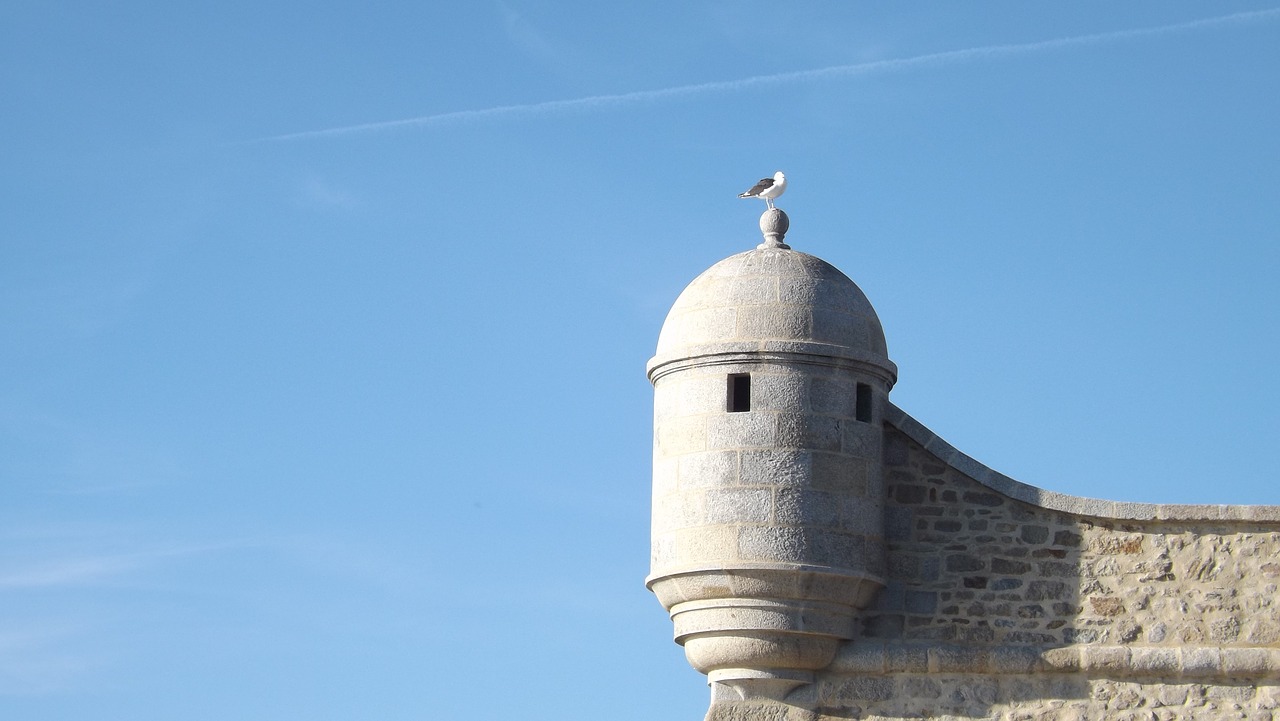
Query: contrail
pixel 595 102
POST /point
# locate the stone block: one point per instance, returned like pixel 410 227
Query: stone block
pixel 970 467
pixel 801 289
pixel 906 658
pixel 1094 507
pixel 958 659
pixel 802 545
pixel 715 468
pixel 758 710
pixel 1270 514
pixel 1009 567
pixel 742 430
pixel 860 440
pixel 702 394
pixel 1246 662
pixel 943 451
pixel 774 322
pixel 776 467
pixel 921 602
pixel 1034 534
pixel 864 688
pixel 662 550
pixel 861 658
pixel 1136 511
pixel 806 507
pixel 861 515
pixel 677 511
pixel 1156 662
pixel 811 431
pixel 682 435
pixel 832 396
pixel 751 290
pixel 1013 660
pixel 910 494
pixel 964 563
pixel 1201 662
pixel 831 325
pixel 665 476
pixel 1069 539
pixel 1179 512
pixel 702 326
pixel 706 544
pixel 1110 660
pixel 898 524
pixel 838 472
pixel 738 505
pixel 1062 660
pixel 1107 605
pixel 921 689
pixel 777 391
pixel 895 450
pixel 930 569
pixel 1058 569
pixel 667 399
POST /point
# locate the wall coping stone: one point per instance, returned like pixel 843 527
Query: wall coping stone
pixel 1076 505
pixel 1167 663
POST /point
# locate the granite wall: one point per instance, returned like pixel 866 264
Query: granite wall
pixel 1007 602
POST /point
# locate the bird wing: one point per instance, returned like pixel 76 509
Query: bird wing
pixel 758 188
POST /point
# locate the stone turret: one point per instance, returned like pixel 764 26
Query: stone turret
pixel 770 382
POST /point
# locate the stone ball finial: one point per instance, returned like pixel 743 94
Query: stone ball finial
pixel 774 224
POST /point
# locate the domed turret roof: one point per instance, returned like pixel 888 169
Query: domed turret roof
pixel 773 299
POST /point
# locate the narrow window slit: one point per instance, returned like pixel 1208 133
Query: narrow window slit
pixel 739 392
pixel 862 403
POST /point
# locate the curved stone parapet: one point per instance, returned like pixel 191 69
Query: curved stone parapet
pixel 1075 505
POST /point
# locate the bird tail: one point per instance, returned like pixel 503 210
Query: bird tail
pixel 746 195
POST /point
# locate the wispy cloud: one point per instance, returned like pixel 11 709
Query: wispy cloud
pixel 604 102
pixel 92 569
pixel 40 658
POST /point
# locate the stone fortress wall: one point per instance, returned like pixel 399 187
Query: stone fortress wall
pixel 825 556
pixel 1055 607
pixel 1005 602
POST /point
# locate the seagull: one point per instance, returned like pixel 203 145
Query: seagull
pixel 768 188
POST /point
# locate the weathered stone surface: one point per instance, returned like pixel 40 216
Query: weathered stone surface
pixel 823 522
pixel 1072 579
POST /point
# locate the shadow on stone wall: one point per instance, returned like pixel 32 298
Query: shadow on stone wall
pixel 999 608
pixel 968 571
pixel 967 565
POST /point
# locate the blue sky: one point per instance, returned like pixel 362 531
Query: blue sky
pixel 324 325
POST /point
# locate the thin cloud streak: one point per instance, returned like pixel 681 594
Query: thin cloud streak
pixel 600 102
pixel 97 569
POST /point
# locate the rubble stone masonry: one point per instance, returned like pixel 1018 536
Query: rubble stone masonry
pixel 1005 609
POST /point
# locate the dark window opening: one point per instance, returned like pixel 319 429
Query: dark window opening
pixel 739 392
pixel 862 403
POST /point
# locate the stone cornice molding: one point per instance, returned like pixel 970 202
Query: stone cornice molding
pixel 1166 663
